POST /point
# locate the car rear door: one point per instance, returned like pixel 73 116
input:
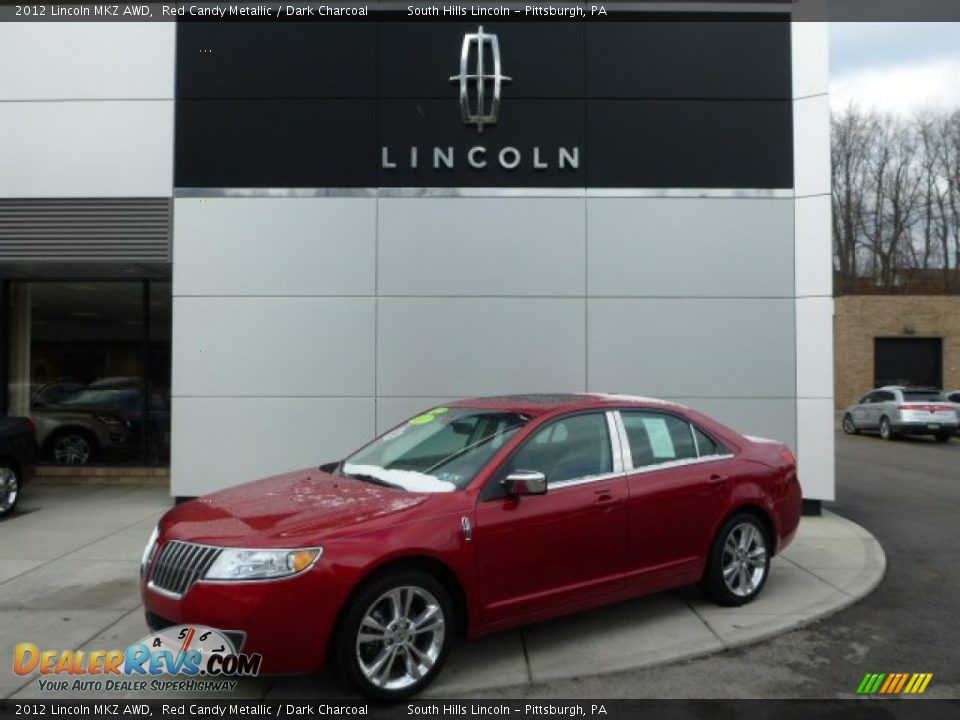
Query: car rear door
pixel 861 411
pixel 678 479
pixel 564 547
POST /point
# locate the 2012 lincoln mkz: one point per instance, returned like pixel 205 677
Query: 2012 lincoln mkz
pixel 469 518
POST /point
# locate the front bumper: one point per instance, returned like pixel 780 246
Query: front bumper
pixel 288 621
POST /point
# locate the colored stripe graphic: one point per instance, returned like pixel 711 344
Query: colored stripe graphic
pixel 894 683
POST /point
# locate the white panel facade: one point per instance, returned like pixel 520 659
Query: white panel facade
pixel 814 257
pixel 815 447
pixel 690 247
pixel 274 246
pixel 692 347
pixel 814 247
pixel 479 346
pixel 85 149
pixel 269 346
pixel 87 61
pixel 481 246
pixel 218 442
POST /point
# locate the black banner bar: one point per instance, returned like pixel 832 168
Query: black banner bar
pixel 524 708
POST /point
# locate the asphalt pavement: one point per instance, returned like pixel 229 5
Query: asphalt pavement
pixel 907 493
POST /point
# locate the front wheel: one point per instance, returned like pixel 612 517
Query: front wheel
pixel 849 427
pixel 739 561
pixel 395 635
pixel 9 488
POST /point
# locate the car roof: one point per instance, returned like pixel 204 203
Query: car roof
pixel 540 403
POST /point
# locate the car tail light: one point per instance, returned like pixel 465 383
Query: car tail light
pixel 788 457
pixel 31 425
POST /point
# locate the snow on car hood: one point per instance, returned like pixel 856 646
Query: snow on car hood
pixel 409 480
pixel 292 510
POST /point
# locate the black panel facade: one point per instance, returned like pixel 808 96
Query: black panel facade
pixel 660 103
pixel 690 143
pixel 276 60
pixel 544 60
pixel 689 59
pixel 276 143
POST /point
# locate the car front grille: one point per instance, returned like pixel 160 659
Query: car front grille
pixel 180 564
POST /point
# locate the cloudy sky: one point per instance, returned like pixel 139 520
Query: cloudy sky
pixel 895 66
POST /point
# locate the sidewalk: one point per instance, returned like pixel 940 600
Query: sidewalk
pixel 69 569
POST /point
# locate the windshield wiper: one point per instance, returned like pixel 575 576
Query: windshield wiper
pixel 373 479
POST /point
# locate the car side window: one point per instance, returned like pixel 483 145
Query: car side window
pixel 885 396
pixel 567 449
pixel 867 399
pixel 955 397
pixel 655 438
pixel 706 445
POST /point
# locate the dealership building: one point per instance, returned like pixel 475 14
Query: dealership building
pixel 271 240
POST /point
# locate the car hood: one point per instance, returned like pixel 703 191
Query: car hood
pixel 297 509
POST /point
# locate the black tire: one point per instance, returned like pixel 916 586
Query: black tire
pixel 886 431
pixel 849 427
pixel 11 488
pixel 347 650
pixel 66 447
pixel 733 593
pixel 943 437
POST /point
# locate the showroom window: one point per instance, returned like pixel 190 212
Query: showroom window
pixel 89 362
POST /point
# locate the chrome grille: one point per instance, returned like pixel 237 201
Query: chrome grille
pixel 180 564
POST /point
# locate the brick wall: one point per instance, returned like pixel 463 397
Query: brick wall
pixel 861 318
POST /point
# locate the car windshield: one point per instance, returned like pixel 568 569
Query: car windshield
pixel 440 450
pixel 922 395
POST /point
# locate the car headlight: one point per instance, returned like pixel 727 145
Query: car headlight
pixel 234 564
pixel 149 550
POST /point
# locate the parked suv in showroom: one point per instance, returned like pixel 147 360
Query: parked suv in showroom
pixel 896 410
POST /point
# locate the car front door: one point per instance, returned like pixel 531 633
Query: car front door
pixel 566 546
pixel 679 481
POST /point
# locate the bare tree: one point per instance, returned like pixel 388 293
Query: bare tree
pixel 896 202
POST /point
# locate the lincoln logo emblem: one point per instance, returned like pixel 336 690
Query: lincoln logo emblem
pixel 484 110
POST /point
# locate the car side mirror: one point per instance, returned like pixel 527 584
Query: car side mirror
pixel 525 482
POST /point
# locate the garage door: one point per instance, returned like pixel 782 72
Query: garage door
pixel 908 361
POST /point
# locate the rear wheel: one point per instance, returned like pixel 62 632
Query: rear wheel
pixel 9 488
pixel 739 561
pixel 886 431
pixel 848 425
pixel 395 635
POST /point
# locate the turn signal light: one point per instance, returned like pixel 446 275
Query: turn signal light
pixel 788 457
pixel 301 559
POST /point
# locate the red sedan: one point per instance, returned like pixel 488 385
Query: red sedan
pixel 470 518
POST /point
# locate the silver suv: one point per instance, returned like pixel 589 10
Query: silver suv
pixel 897 410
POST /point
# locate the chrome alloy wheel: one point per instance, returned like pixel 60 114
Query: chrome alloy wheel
pixel 744 559
pixel 9 489
pixel 848 427
pixel 72 450
pixel 400 637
